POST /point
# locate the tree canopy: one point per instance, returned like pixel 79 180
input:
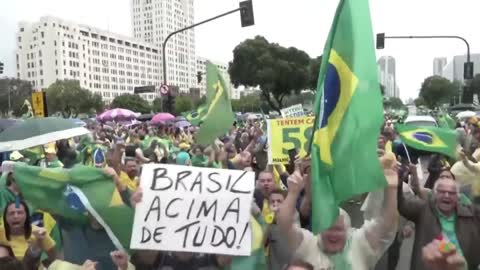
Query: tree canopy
pixel 69 99
pixel 437 90
pixel 183 103
pixel 131 102
pixel 277 70
pixel 19 92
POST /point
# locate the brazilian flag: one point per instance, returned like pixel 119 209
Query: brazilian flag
pixel 194 117
pixel 256 260
pixel 430 139
pixel 71 193
pixel 348 115
pixel 446 121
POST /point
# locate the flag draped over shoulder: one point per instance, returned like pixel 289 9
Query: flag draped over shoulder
pixel 446 121
pixel 256 260
pixel 349 114
pixel 218 117
pixel 69 193
pixel 431 139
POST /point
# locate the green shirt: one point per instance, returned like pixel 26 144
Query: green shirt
pixel 199 161
pixel 55 164
pixel 448 229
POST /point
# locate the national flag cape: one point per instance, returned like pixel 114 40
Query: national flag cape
pixel 219 116
pixel 194 116
pixel 70 193
pixel 348 115
pixel 256 260
pixel 446 121
pixel 431 139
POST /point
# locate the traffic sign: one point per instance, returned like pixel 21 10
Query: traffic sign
pixel 164 89
pixel 38 100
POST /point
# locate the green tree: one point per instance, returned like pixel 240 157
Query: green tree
pixel 314 70
pixel 183 103
pixel 437 90
pixel 419 102
pixel 475 84
pixel 250 103
pixel 393 103
pixel 278 71
pixel 200 101
pixel 157 105
pixel 69 99
pixel 131 102
pixel 19 92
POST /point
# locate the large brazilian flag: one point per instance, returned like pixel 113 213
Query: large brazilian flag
pixel 349 114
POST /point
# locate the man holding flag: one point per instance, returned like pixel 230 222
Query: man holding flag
pixel 349 115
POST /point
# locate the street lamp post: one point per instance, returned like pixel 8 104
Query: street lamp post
pixel 246 12
pixel 467 67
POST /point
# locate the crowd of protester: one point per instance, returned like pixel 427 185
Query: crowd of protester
pixel 434 206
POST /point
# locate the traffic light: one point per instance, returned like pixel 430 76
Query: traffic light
pixel 381 41
pixel 199 77
pixel 246 13
pixel 169 103
pixel 1 67
pixel 468 70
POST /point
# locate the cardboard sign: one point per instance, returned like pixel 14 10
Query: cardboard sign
pixel 286 134
pixel 194 209
pixel 293 111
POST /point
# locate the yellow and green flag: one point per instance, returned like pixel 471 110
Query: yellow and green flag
pixel 446 121
pixel 348 115
pixel 430 139
pixel 71 193
pixel 218 117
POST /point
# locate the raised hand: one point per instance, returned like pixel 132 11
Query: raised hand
pixel 136 197
pixel 120 259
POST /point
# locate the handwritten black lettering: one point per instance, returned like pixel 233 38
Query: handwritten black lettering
pixel 157 234
pixel 222 236
pixel 190 208
pixel 219 186
pixel 233 209
pixel 197 243
pixel 227 187
pixel 206 211
pixel 167 213
pixel 180 177
pixel 146 235
pixel 154 206
pixel 232 239
pixel 234 190
pixel 160 173
pixel 186 228
pixel 197 182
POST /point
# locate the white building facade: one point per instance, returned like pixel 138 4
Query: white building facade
pixel 103 62
pixel 234 93
pixel 454 69
pixel 153 20
pixel 439 64
pixel 387 74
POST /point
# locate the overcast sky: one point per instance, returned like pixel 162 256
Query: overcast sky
pixel 300 23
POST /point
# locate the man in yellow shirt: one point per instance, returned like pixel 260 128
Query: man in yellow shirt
pixel 129 174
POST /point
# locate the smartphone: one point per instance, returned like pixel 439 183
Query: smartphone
pixel 292 153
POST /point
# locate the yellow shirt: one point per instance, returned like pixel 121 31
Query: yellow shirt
pixel 131 184
pixel 19 244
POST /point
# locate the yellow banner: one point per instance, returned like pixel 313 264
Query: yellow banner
pixel 286 134
pixel 37 104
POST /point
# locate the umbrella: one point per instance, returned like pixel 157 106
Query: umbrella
pixel 78 122
pixel 145 117
pixel 182 124
pixel 117 115
pixel 162 117
pixel 465 114
pixel 6 123
pixel 38 131
pixel 180 118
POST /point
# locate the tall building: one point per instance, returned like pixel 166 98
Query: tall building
pixel 439 64
pixel 103 62
pixel 223 68
pixel 153 20
pixel 454 69
pixel 387 74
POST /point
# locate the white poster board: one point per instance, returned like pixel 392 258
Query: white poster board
pixel 293 111
pixel 194 209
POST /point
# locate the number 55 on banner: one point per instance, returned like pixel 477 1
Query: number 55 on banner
pixel 288 133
